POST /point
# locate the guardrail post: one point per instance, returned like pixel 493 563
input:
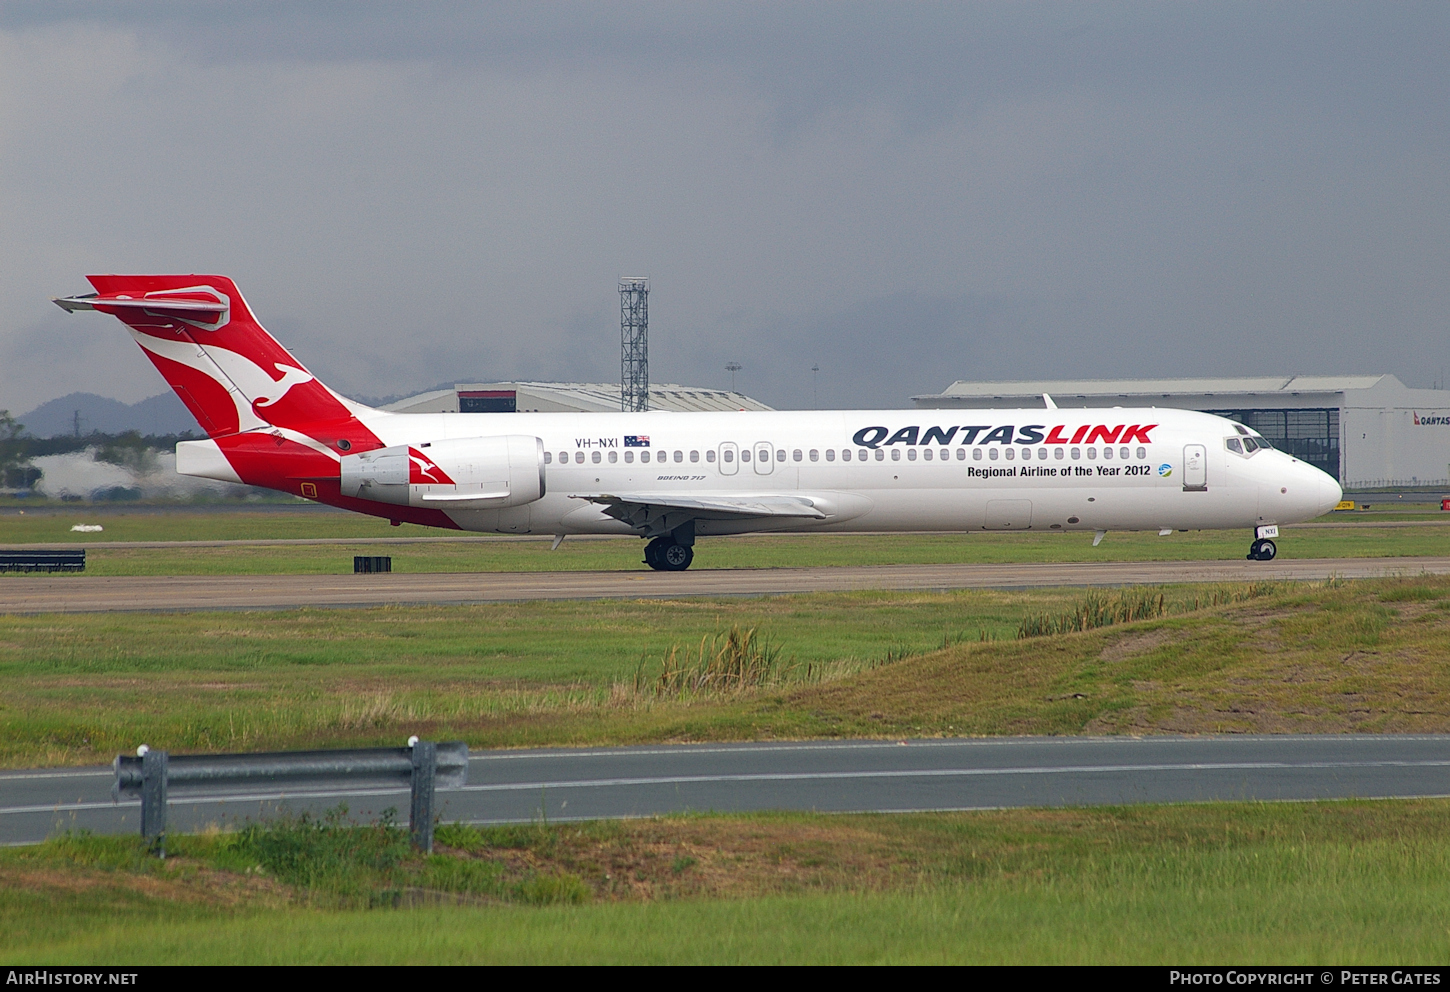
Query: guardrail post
pixel 153 799
pixel 420 814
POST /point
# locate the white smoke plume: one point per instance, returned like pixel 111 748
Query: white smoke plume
pixel 79 474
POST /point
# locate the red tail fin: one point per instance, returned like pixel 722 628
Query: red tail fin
pixel 201 335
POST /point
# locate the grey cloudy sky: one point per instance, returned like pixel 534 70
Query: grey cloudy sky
pixel 902 193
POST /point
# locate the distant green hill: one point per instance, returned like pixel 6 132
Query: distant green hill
pixel 163 414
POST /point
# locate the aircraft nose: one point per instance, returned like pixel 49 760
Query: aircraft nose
pixel 1330 492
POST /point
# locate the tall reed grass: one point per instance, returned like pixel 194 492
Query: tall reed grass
pixel 740 658
pixel 1100 609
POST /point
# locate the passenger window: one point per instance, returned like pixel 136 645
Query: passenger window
pixel 548 458
pixel 710 455
pixel 815 455
pixel 1058 453
pixel 694 456
pixel 1142 453
pixel 595 457
pixel 629 457
pixel 911 454
pixel 1027 454
pixel 961 454
pixel 1076 453
pixel 1092 452
pixel 644 457
pixel 1107 453
pixel 613 457
pixel 1122 452
pixel 1042 453
pixel 861 455
pixel 976 454
pixel 992 453
pixel 1008 452
pixel 729 455
pixel 563 458
pixel 745 454
pixel 845 455
pixel 896 454
pixel 830 455
pixel 926 453
pixel 679 456
pixel 880 455
pixel 780 456
pixel 579 458
pixel 796 454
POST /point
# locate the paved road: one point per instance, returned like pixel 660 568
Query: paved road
pixel 90 593
pixel 883 776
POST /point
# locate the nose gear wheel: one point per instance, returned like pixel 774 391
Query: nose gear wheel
pixel 1263 550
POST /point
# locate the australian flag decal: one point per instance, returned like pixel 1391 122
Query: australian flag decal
pixel 636 440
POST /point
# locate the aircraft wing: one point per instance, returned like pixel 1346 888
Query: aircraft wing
pixel 653 514
pixel 622 506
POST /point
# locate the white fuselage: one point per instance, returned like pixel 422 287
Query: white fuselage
pixel 868 471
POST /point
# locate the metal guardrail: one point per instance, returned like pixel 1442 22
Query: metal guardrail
pixel 424 766
pixel 43 561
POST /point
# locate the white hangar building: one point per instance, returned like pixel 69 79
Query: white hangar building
pixel 1370 431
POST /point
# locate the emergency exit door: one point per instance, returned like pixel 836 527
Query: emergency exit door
pixel 1195 468
pixel 763 460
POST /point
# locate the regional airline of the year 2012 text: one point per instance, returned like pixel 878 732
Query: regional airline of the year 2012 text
pixel 673 477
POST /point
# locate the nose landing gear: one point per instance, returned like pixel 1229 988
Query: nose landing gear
pixel 1262 550
pixel 664 555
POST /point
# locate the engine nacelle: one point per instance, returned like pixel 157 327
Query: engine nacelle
pixel 473 473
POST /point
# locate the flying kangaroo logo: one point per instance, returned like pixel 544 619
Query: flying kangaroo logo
pixel 422 471
pixel 291 376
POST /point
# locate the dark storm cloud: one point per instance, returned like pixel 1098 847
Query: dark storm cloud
pixel 901 193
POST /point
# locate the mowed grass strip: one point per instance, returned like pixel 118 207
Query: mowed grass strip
pixel 762 551
pixel 1352 882
pixel 26 522
pixel 1365 656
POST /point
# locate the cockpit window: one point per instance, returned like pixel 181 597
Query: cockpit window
pixel 1241 429
pixel 1263 442
pixel 1233 445
pixel 1250 446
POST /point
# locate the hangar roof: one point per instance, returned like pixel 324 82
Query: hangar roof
pixel 582 397
pixel 1084 388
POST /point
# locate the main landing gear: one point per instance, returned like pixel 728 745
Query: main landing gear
pixel 664 555
pixel 1263 550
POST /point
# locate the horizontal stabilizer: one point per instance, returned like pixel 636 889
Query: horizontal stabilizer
pixel 202 302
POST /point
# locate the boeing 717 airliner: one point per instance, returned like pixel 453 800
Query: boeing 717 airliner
pixel 671 478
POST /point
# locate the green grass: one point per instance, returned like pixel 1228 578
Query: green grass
pixel 764 551
pixel 1348 882
pixel 1365 656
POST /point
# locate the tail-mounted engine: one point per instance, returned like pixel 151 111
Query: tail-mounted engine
pixel 463 473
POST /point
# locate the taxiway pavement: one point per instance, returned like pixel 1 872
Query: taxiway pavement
pixel 93 593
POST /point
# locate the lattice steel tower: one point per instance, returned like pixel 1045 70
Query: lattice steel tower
pixel 633 344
